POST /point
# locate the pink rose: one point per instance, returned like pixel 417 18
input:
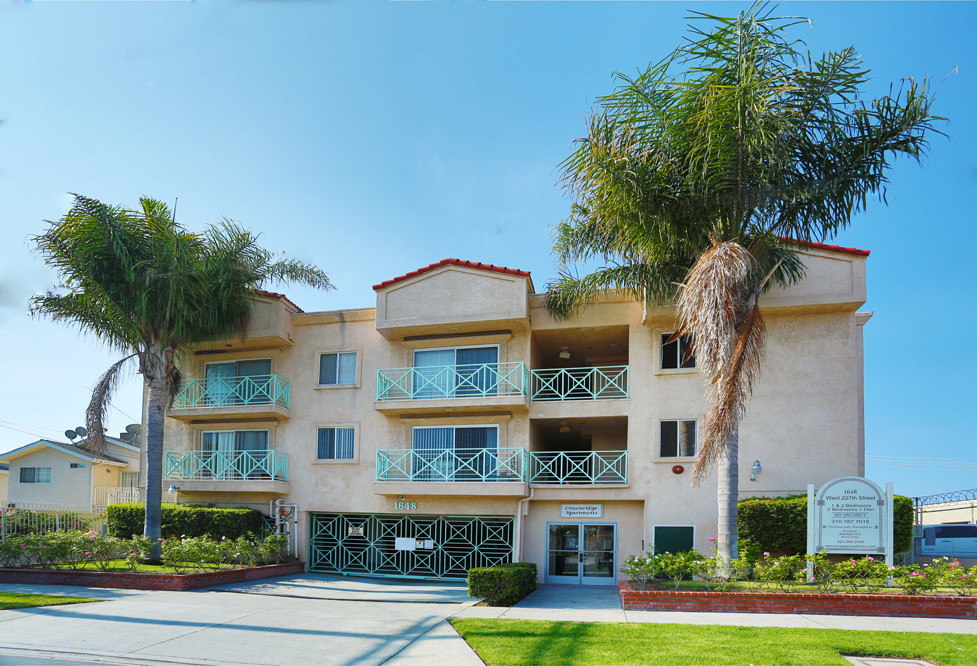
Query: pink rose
pixel 766 554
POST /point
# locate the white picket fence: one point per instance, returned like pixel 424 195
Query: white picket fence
pixel 116 495
pixel 19 517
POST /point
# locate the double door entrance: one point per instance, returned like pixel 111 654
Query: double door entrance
pixel 581 553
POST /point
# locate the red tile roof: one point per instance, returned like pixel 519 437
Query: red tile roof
pixel 455 262
pixel 281 297
pixel 829 248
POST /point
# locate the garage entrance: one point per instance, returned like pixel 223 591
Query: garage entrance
pixel 395 545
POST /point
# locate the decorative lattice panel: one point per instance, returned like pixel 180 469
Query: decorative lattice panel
pixel 365 544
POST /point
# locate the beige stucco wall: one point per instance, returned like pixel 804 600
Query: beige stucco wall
pixel 4 481
pixel 814 360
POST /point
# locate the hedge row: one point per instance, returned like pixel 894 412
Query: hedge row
pixel 503 585
pixel 779 524
pixel 127 520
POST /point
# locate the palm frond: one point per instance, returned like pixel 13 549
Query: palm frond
pixel 102 394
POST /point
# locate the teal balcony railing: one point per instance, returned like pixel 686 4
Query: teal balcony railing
pixel 578 467
pixel 477 380
pixel 233 391
pixel 580 383
pixel 226 465
pixel 451 465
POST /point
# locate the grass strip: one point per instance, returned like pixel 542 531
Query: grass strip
pixel 514 642
pixel 14 600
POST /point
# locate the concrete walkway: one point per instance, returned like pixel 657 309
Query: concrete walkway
pixel 317 619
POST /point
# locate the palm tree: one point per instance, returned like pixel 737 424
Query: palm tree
pixel 142 284
pixel 690 185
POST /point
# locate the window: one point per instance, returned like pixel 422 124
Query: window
pixel 77 465
pixel 456 372
pixel 337 368
pixel 129 480
pixel 246 382
pixel 235 454
pixel 335 444
pixel 35 475
pixel 677 439
pixel 450 453
pixel 678 354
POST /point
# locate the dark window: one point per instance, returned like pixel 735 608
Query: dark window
pixel 337 368
pixel 335 444
pixel 677 354
pixel 674 538
pixel 677 439
pixel 35 475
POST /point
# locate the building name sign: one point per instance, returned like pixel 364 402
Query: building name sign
pixel 581 510
pixel 850 515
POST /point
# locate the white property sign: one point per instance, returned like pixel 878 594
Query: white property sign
pixel 581 510
pixel 850 515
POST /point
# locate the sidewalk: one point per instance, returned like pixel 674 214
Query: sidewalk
pixel 317 620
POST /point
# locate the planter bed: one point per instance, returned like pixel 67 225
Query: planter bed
pixel 148 581
pixel 891 605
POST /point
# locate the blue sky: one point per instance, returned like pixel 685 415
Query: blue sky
pixel 372 138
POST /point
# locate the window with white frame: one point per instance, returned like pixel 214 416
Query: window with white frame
pixel 35 475
pixel 129 479
pixel 456 372
pixel 337 368
pixel 336 443
pixel 678 353
pixel 455 453
pixel 677 439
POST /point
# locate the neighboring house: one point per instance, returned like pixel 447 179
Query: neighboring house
pixel 960 512
pixel 60 473
pixel 457 424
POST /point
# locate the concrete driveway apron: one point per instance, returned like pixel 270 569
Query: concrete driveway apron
pixel 305 619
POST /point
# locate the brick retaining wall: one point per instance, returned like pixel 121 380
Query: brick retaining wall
pixel 148 581
pixel 890 605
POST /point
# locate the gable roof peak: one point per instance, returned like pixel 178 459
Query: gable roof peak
pixel 456 262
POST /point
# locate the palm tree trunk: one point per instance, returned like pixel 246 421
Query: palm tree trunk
pixel 156 403
pixel 727 496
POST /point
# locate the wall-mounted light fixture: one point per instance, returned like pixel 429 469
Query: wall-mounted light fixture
pixel 175 490
pixel 756 469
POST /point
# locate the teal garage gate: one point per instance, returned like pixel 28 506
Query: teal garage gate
pixel 396 545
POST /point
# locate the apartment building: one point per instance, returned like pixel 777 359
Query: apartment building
pixel 457 424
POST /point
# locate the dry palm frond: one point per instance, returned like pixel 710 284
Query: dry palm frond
pixel 101 398
pixel 718 306
pixel 731 394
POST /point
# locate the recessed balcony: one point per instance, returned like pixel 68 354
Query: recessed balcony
pixel 598 383
pixel 465 471
pixel 258 396
pixel 578 468
pixel 262 471
pixel 475 387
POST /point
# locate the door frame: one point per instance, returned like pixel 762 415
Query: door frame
pixel 563 580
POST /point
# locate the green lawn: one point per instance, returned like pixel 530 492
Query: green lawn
pixel 502 642
pixel 12 600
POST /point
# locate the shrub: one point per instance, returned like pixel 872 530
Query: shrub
pixel 127 520
pixel 503 585
pixel 640 569
pixel 779 524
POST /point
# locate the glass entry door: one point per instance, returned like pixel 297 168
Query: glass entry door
pixel 581 554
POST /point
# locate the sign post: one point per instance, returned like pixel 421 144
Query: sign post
pixel 849 515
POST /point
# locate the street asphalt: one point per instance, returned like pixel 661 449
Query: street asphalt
pixel 320 619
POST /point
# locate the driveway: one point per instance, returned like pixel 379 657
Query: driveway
pixel 304 619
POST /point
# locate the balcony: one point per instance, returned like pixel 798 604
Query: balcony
pixel 603 383
pixel 474 387
pixel 451 471
pixel 580 468
pixel 260 396
pixel 241 471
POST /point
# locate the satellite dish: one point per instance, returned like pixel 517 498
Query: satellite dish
pixel 70 434
pixel 81 431
pixel 133 428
